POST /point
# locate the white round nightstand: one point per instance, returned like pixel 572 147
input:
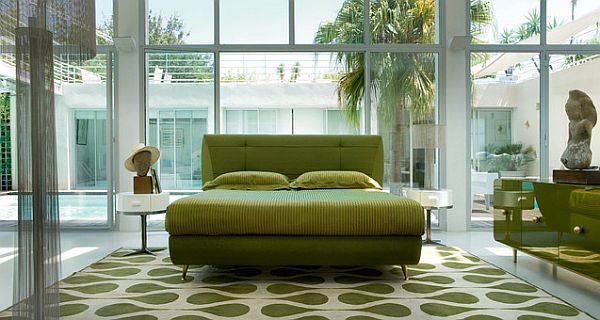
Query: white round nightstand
pixel 431 199
pixel 142 205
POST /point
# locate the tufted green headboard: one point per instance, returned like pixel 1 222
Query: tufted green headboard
pixel 291 155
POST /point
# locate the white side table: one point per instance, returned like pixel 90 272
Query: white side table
pixel 142 205
pixel 431 199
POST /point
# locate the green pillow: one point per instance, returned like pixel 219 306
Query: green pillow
pixel 335 180
pixel 249 180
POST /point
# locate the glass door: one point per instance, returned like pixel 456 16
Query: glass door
pixel 84 128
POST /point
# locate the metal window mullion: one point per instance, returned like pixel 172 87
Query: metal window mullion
pixel 109 140
pixel 217 92
pixel 367 65
pixel 190 137
pixel 174 143
pixel 441 90
pixel 358 47
pixel 571 50
pixel 291 22
pixel 216 68
pixel 95 113
pixel 143 82
pixel 367 22
pixel 535 48
pixel 367 95
pixel 544 93
pixel 544 115
pixel 543 24
pixel 468 127
pixel 506 48
pixel 216 22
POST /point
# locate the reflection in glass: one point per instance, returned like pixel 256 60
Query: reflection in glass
pixel 505 124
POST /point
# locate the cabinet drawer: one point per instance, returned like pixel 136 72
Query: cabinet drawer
pixel 128 202
pixel 585 226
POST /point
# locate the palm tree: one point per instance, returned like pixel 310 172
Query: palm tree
pixel 481 19
pixel 400 82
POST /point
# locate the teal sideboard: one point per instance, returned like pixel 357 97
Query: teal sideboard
pixel 556 222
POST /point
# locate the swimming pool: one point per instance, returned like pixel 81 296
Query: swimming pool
pixel 72 207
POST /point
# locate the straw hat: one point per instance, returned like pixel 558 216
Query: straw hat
pixel 140 147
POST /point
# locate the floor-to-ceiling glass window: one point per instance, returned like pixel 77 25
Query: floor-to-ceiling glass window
pixel 83 132
pixel 83 102
pixel 316 72
pixel 283 93
pixel 519 85
pixel 402 77
pixel 505 126
pixel 180 102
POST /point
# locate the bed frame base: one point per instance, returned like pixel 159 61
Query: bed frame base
pixel 185 267
pixel 294 250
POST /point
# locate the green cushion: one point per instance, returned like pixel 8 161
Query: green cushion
pixel 249 180
pixel 335 180
pixel 331 212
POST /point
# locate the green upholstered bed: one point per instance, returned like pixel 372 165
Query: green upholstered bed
pixel 294 227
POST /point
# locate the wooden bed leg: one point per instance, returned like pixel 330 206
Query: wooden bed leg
pixel 184 271
pixel 405 271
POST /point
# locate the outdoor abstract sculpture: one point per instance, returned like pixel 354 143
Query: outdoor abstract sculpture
pixel 582 115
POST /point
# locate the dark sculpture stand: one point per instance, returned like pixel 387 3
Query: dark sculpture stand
pixel 587 177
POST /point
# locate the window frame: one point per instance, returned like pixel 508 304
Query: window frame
pixel 438 49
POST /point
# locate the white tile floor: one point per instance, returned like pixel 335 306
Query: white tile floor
pixel 81 248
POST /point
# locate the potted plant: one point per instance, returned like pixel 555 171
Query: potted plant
pixel 512 160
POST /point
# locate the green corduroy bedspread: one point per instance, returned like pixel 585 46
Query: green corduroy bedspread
pixel 330 212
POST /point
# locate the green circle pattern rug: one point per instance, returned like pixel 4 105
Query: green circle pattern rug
pixel 447 284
